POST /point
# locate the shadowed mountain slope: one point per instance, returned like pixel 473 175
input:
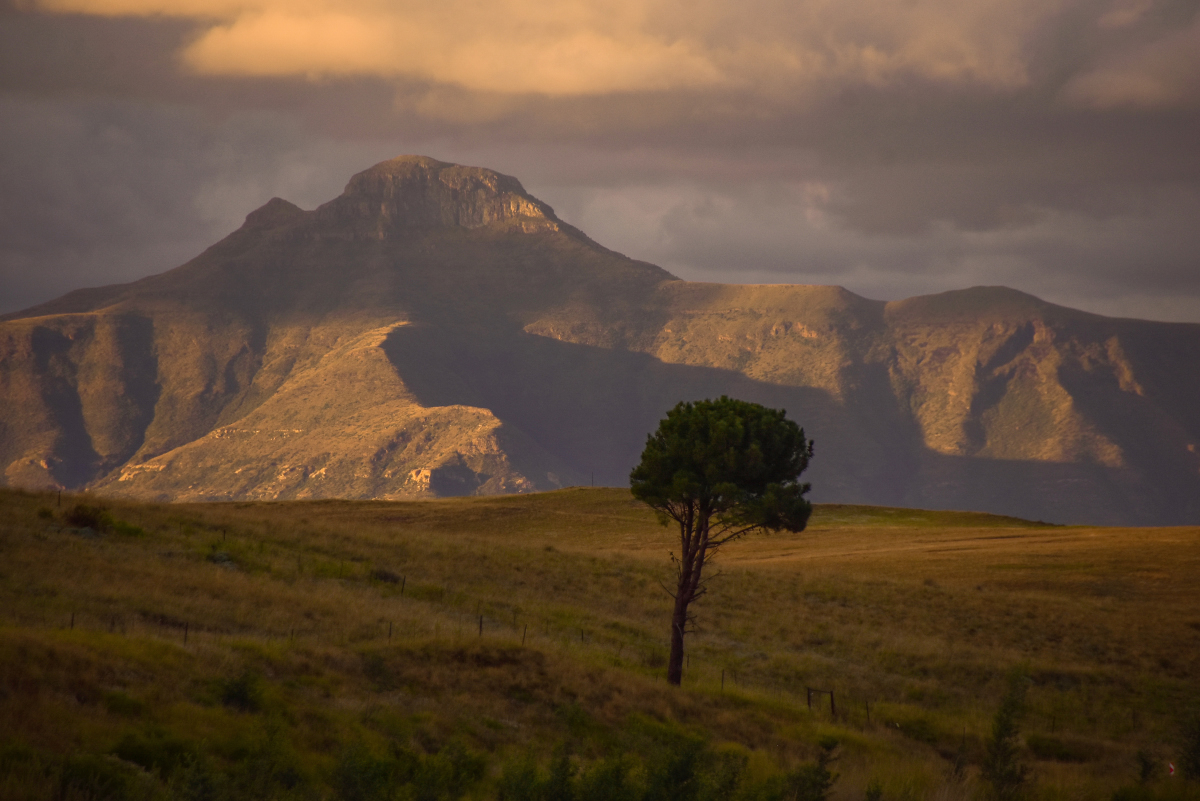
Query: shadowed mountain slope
pixel 435 330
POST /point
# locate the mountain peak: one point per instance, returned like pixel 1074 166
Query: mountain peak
pixel 420 192
pixel 276 211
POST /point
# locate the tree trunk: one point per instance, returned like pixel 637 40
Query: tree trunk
pixel 678 622
pixel 693 541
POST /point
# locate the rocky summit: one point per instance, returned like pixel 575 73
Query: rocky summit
pixel 436 330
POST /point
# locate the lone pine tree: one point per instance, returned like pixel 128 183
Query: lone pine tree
pixel 721 469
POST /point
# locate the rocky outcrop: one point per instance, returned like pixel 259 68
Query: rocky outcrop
pixel 416 192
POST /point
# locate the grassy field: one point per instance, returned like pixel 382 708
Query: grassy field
pixel 289 650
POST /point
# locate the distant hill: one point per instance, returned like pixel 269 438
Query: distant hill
pixel 436 330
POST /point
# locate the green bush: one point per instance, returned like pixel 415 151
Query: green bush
pixel 1189 752
pixel 1002 766
pixel 245 693
pixel 609 780
pixel 519 781
pixel 1044 746
pixel 100 778
pixel 673 773
pixel 157 752
pixel 445 776
pixel 813 782
pixel 448 774
pixel 118 703
pixel 125 529
pixel 721 776
pixel 197 781
pixel 20 765
pixel 360 776
pixel 1134 793
pixel 560 784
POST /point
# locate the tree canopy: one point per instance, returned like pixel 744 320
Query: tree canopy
pixel 721 469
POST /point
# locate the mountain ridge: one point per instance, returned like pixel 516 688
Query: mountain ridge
pixel 437 330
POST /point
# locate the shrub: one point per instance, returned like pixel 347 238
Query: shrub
pixel 157 752
pixel 1147 765
pixel 360 776
pixel 98 778
pixel 1060 750
pixel 83 515
pixel 1002 767
pixel 920 729
pixel 125 529
pixel 560 784
pixel 1134 793
pixel 197 781
pixel 1189 754
pixel 673 774
pixel 519 781
pixel 19 764
pixel 118 703
pixel 813 782
pixel 722 775
pixel 609 780
pixel 245 693
pixel 449 774
pixel 384 576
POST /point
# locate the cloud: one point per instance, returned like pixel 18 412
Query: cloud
pixel 594 47
pixel 766 231
pixel 1164 72
pixel 95 192
pixel 896 148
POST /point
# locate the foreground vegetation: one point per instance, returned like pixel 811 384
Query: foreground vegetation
pixel 514 647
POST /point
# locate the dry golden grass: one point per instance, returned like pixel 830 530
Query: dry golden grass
pixel 921 615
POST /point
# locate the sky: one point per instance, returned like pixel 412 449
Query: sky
pixel 894 147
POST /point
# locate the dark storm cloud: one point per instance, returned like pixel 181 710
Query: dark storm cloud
pixel 1047 146
pixel 101 191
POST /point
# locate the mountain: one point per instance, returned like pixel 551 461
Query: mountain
pixel 436 330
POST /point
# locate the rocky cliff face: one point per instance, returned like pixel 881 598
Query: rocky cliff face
pixel 435 330
pixel 407 193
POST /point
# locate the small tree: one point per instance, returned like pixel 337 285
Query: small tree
pixel 1189 754
pixel 1002 766
pixel 721 470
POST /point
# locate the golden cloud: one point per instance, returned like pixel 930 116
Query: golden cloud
pixel 591 47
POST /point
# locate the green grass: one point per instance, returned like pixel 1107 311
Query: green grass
pixel 288 671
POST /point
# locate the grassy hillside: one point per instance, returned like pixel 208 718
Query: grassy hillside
pixel 452 648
